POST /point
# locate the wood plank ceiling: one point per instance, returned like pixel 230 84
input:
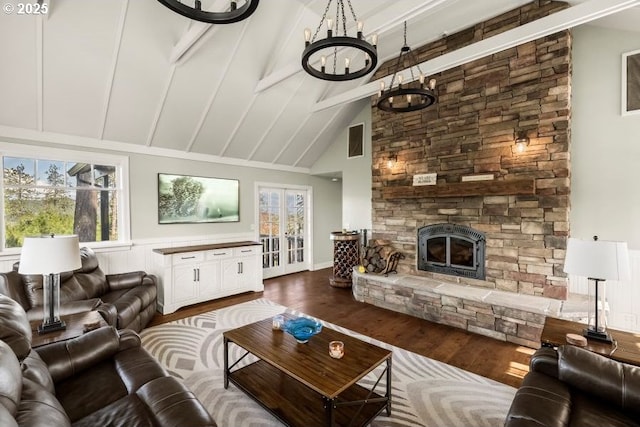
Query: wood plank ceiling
pixel 133 75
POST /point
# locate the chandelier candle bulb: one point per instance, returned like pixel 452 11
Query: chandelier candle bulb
pixel 421 80
pixel 374 40
pixel 336 349
pixel 307 36
pixel 329 27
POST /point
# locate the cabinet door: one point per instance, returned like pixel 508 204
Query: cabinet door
pixel 230 274
pixel 184 283
pixel 209 279
pixel 248 272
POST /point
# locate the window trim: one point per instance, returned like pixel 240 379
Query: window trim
pixel 8 149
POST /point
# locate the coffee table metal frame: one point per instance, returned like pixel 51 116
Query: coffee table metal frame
pixel 278 353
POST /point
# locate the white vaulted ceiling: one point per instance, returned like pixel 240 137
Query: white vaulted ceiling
pixel 133 75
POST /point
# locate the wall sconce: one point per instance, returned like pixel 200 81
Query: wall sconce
pixel 391 162
pixel 522 141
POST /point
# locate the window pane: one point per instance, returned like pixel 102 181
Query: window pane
pixel 19 171
pixel 50 173
pixel 37 212
pixel 104 176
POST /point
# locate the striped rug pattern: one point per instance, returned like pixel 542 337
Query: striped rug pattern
pixel 425 392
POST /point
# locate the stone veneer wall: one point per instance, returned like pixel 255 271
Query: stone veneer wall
pixel 482 106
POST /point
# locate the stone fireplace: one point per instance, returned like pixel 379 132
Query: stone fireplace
pixel 452 249
pixel 519 201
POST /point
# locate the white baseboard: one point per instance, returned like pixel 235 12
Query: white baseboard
pixel 322 265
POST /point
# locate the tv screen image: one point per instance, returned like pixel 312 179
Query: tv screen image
pixel 195 199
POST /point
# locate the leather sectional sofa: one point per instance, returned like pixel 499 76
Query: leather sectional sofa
pixel 572 386
pixel 126 301
pixel 102 378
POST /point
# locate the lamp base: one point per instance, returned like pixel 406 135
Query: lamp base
pixel 597 335
pixel 56 325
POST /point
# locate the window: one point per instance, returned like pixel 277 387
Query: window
pixel 51 191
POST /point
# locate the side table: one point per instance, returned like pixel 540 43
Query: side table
pixel 346 255
pixel 75 328
pixel 625 348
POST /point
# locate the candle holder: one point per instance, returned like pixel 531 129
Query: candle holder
pixel 336 349
pixel 278 322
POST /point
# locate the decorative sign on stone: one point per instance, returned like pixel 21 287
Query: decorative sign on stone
pixel 469 178
pixel 425 179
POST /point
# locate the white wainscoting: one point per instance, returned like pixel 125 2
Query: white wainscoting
pixel 623 297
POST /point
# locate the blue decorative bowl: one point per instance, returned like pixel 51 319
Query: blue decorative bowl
pixel 302 328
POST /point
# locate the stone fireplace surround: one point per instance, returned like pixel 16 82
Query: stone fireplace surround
pixel 524 211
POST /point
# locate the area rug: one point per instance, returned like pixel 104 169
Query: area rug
pixel 425 392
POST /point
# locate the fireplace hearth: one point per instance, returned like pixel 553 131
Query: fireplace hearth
pixel 452 249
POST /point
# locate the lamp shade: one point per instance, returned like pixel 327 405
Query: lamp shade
pixel 49 255
pixel 597 259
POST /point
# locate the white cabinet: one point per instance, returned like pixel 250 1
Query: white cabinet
pixel 242 270
pixel 188 275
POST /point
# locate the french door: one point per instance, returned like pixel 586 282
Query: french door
pixel 283 224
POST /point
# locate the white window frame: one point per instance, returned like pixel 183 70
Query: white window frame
pixel 121 163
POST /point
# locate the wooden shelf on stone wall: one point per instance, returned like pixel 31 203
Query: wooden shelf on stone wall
pixel 514 187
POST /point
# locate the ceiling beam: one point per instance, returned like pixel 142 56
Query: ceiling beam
pixel 114 64
pixel 294 67
pixel 562 20
pixel 196 30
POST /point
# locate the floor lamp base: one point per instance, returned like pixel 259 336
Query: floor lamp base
pixel 597 335
pixel 56 325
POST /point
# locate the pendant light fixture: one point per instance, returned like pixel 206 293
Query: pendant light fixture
pixel 339 44
pixel 409 96
pixel 233 14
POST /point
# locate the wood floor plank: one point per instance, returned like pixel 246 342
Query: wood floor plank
pixel 311 293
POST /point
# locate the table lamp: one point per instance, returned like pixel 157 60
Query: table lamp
pixel 50 256
pixel 598 260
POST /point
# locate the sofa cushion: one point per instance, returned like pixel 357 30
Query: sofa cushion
pixel 90 277
pixel 38 407
pixel 591 412
pixel 601 377
pixel 126 411
pixel 90 391
pixel 15 329
pixel 34 368
pixel 540 401
pixel 10 379
pixel 11 285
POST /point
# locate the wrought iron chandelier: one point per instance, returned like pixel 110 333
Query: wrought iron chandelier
pixel 410 96
pixel 231 15
pixel 339 43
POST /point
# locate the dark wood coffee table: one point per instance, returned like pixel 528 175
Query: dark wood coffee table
pixel 75 327
pixel 301 384
pixel 626 346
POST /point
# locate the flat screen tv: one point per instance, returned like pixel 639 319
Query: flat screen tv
pixel 196 199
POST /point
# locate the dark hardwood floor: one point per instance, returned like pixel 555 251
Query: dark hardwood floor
pixel 311 293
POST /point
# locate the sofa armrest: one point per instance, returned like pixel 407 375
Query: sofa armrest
pixel 67 358
pixel 545 361
pixel 129 339
pixel 129 280
pixel 109 313
pixel 173 405
pixel 607 379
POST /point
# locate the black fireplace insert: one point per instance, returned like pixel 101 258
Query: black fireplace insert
pixel 452 249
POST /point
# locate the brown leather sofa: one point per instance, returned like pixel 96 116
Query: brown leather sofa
pixel 102 378
pixel 126 301
pixel 575 387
